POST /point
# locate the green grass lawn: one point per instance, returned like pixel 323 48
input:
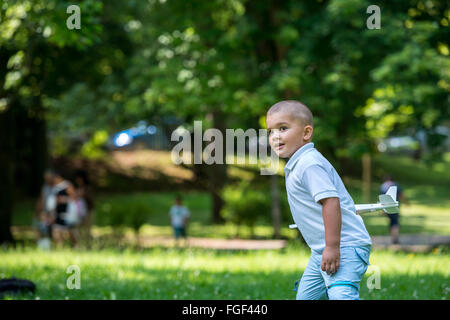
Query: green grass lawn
pixel 208 274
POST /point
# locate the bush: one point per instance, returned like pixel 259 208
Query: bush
pixel 245 204
pixel 119 215
pixel 137 216
pixel 116 218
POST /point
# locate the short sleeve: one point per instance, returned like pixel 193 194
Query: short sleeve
pixel 186 212
pixel 318 183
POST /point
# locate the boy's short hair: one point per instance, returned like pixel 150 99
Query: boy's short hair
pixel 296 109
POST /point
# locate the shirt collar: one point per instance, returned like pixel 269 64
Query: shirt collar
pixel 296 156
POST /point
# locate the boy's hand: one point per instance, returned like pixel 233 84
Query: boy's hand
pixel 330 260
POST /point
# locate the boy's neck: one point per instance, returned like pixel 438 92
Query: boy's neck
pixel 300 147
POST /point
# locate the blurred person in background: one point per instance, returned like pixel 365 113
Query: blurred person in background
pixel 394 224
pixel 42 218
pixel 179 215
pixel 65 215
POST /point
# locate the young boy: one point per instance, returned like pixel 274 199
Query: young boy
pixel 321 207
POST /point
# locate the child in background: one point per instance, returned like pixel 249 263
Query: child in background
pixel 179 216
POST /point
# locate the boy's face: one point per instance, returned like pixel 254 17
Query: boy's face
pixel 286 133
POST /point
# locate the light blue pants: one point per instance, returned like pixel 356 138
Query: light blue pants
pixel 316 284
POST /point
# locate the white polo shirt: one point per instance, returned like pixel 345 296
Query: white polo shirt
pixel 310 178
pixel 178 214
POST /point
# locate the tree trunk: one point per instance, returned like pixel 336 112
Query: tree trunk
pixel 39 153
pixel 217 207
pixel 30 153
pixel 6 175
pixel 218 172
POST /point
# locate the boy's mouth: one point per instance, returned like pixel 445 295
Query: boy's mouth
pixel 279 146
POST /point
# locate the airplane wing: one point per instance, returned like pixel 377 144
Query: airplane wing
pixel 388 203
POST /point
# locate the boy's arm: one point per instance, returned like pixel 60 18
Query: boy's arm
pixel 317 181
pixel 331 212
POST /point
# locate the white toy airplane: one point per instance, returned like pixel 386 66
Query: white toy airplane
pixel 388 203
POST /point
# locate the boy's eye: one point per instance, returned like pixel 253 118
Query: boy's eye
pixel 282 128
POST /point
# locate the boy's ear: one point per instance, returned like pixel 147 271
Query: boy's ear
pixel 308 131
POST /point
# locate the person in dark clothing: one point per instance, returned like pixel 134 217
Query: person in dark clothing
pixel 63 217
pixel 394 224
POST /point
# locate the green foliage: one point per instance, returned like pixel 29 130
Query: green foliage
pixel 244 204
pixel 121 214
pixel 134 60
pixel 55 73
pixel 94 147
pixel 114 216
pixel 137 216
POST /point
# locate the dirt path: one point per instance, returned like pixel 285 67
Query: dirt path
pixel 408 242
pixel 219 244
pixel 411 243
